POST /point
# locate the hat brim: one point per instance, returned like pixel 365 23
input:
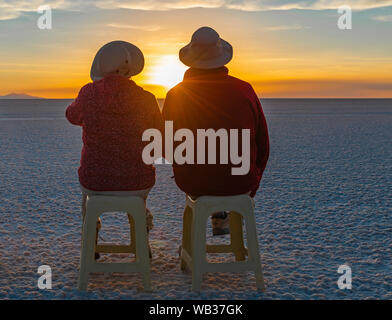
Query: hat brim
pixel 135 67
pixel 212 63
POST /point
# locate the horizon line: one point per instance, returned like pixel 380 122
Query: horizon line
pixel 266 98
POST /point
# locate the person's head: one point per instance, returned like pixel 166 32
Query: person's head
pixel 206 50
pixel 117 57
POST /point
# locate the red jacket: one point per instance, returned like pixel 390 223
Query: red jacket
pixel 114 112
pixel 213 99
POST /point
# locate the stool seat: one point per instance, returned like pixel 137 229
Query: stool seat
pixel 194 248
pixel 135 208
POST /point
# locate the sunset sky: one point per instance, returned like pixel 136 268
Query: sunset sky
pixel 283 48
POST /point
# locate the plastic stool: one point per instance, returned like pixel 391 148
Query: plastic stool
pixel 95 207
pixel 194 248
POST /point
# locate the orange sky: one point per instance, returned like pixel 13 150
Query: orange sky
pixel 284 53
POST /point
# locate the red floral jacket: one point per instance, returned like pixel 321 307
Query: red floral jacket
pixel 114 112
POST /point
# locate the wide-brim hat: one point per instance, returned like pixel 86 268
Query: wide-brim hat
pixel 207 50
pixel 117 57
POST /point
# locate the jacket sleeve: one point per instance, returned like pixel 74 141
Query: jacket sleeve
pixel 262 141
pixel 157 115
pixel 167 115
pixel 167 106
pixel 74 112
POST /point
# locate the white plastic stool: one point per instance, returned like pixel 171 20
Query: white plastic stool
pixel 95 207
pixel 194 248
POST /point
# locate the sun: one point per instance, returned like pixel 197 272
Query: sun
pixel 167 72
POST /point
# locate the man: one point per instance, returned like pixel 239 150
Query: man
pixel 208 98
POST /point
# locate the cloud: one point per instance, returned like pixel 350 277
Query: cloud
pixel 245 5
pixel 354 4
pixel 159 5
pixel 135 27
pixel 285 28
pixel 383 18
pixel 13 9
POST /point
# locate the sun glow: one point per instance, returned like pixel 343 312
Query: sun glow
pixel 167 72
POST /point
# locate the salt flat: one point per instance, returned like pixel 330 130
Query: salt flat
pixel 325 201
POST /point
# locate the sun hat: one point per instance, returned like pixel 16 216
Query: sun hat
pixel 206 50
pixel 117 57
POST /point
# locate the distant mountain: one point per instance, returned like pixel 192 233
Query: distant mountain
pixel 19 96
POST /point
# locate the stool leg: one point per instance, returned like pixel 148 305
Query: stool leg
pixel 254 253
pixel 236 236
pixel 186 234
pixel 198 249
pixel 142 250
pixel 87 251
pixel 83 211
pixel 98 227
pixel 132 233
pixel 84 199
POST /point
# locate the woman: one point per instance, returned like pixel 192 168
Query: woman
pixel 114 112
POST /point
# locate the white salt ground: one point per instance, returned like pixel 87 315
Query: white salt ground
pixel 325 201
